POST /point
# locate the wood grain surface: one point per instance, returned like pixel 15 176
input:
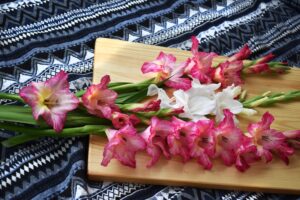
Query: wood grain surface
pixel 122 61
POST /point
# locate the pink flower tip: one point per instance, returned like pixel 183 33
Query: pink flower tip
pixel 241 55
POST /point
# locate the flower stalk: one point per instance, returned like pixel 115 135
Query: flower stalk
pixel 268 98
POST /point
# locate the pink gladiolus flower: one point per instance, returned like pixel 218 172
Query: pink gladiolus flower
pixel 269 140
pixel 241 55
pixel 178 140
pixel 164 66
pixel 246 154
pixel 265 59
pixel 202 142
pixel 99 100
pixel 293 138
pixel 229 139
pixel 199 66
pixel 120 120
pixel 229 73
pixel 156 138
pixel 122 145
pixel 51 100
pixel 261 65
pixel 152 105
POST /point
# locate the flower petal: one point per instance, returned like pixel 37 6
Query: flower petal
pixel 178 83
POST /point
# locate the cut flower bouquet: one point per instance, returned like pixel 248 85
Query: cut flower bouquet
pixel 189 110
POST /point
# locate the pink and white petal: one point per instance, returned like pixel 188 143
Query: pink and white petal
pixel 267 120
pixel 104 82
pixel 267 155
pixel 107 156
pixel 205 161
pixel 228 157
pixel 125 156
pixel 162 144
pixel 110 133
pixel 150 67
pixel 38 110
pixel 55 120
pixel 136 142
pixel 272 139
pixel 155 153
pixel 30 95
pixel 293 134
pixel 195 45
pixel 241 164
pixel 58 82
pixel 259 68
pixel 266 58
pixel 179 83
pixel 206 58
pixel 242 54
pixel 169 59
pixel 146 134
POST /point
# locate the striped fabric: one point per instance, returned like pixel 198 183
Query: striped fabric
pixel 38 38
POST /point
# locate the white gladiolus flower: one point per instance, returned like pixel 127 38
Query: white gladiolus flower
pixel 195 106
pixel 166 102
pixel 225 100
pixel 201 100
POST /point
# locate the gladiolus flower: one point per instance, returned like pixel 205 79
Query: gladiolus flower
pixel 202 142
pixel 229 139
pixel 156 138
pixel 178 140
pixel 199 66
pixel 243 54
pixel 122 145
pixel 246 154
pixel 165 101
pixel 164 66
pixel 152 105
pixel 225 100
pixel 261 65
pixel 120 120
pixel 293 138
pixel 269 140
pixel 229 73
pixel 195 106
pixel 51 100
pixel 99 100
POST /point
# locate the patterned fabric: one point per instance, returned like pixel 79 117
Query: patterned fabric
pixel 38 38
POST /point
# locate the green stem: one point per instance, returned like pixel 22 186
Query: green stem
pixel 20 114
pixel 124 87
pixel 29 134
pixel 269 99
pixel 14 97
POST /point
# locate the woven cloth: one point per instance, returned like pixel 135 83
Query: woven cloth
pixel 38 38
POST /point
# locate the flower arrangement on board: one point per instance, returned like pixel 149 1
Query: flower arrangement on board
pixel 188 110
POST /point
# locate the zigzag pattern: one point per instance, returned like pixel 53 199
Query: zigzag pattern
pixel 185 19
pixel 150 27
pixel 235 33
pixel 27 28
pixel 116 191
pixel 41 69
pixel 42 157
pixel 242 34
pixel 169 193
pixel 37 13
pixel 10 6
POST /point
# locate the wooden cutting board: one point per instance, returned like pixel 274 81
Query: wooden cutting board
pixel 122 61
